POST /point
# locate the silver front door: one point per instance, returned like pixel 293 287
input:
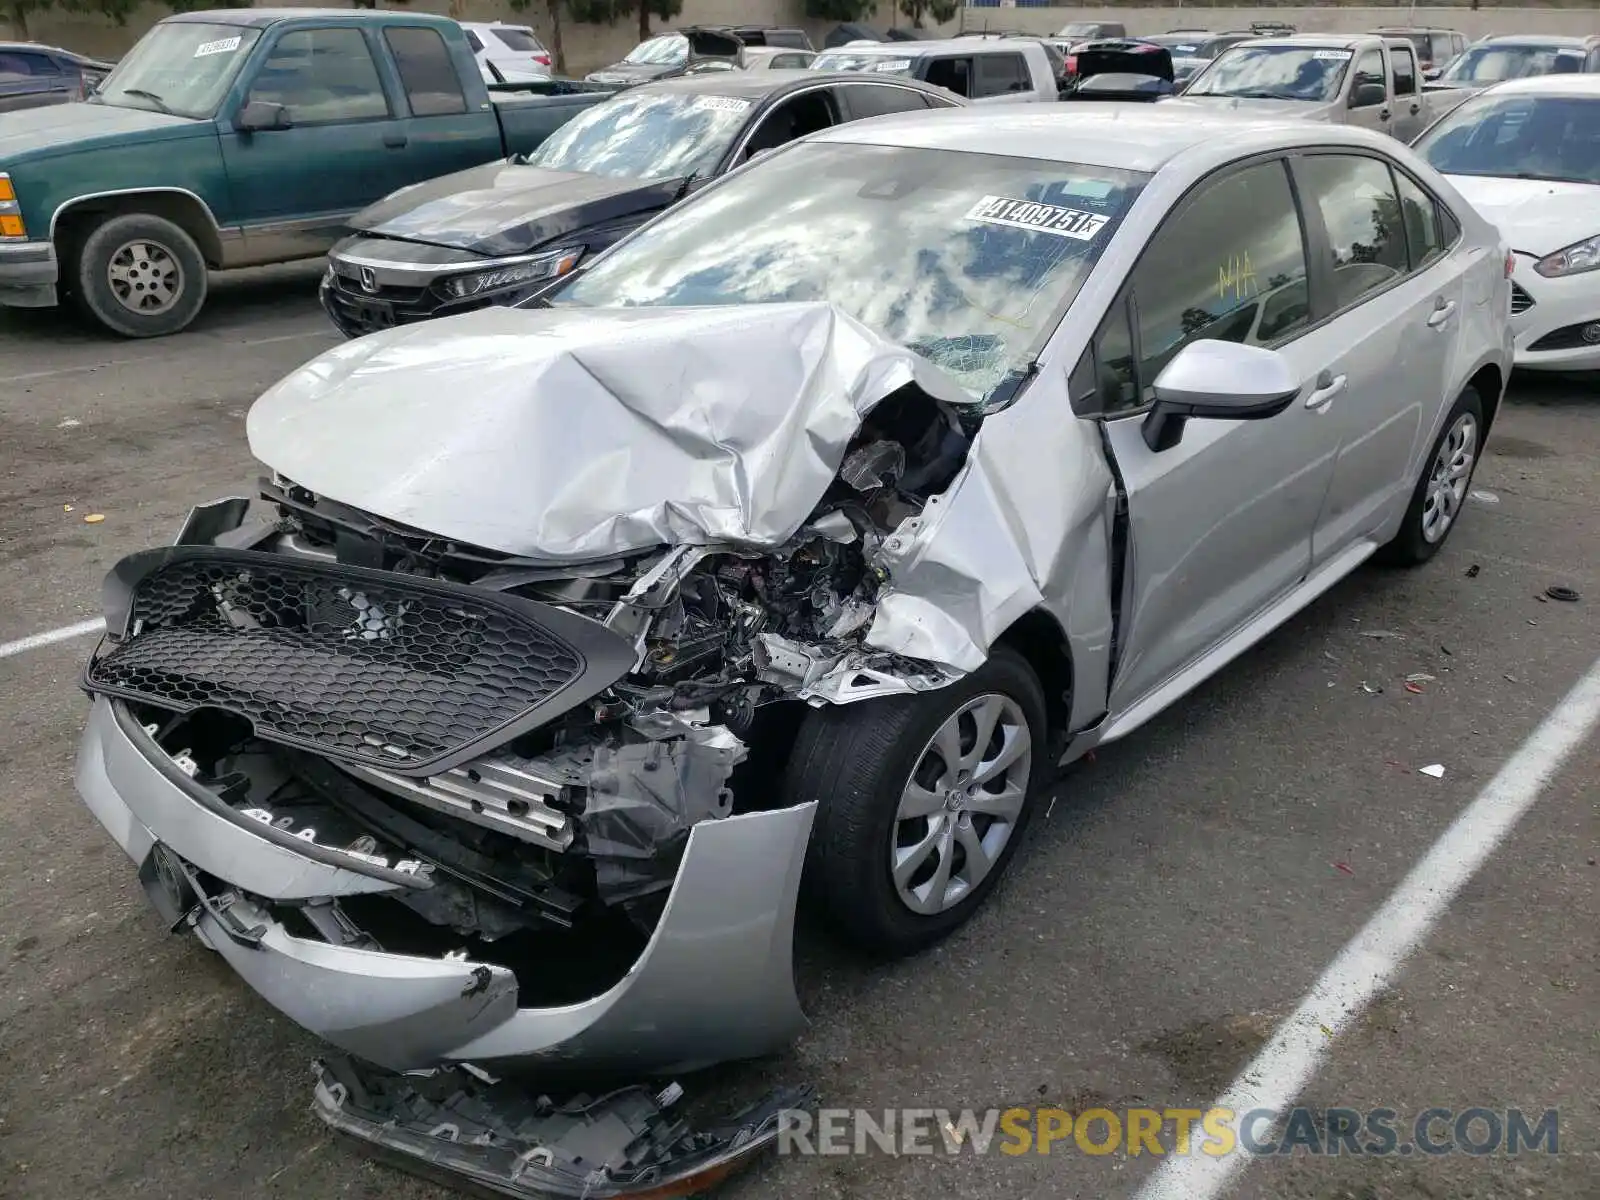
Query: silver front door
pixel 1220 524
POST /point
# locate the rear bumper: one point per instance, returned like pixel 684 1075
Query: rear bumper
pixel 28 275
pixel 715 982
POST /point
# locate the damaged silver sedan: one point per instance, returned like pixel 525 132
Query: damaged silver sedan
pixel 786 550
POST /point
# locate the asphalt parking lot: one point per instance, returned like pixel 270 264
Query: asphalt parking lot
pixel 1180 895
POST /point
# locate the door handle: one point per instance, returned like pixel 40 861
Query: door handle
pixel 394 141
pixel 1328 386
pixel 1442 312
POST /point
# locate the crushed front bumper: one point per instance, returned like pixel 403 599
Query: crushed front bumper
pixel 715 981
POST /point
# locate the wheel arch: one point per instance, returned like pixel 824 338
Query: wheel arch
pixel 70 223
pixel 1489 383
pixel 1038 636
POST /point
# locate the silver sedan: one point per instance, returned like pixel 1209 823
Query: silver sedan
pixel 787 548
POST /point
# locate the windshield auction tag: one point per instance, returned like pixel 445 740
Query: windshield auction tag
pixel 1043 218
pixel 221 46
pixel 888 66
pixel 720 103
pixel 1331 55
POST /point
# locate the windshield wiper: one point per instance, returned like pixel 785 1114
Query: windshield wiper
pixel 1259 94
pixel 150 96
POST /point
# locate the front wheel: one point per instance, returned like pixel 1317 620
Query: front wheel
pixel 1441 491
pixel 140 276
pixel 920 802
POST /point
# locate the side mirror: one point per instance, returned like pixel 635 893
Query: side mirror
pixel 1365 95
pixel 1222 381
pixel 1432 73
pixel 261 114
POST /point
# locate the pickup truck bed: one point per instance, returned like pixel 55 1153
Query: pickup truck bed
pixel 279 125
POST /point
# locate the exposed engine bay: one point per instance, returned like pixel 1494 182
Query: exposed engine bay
pixel 573 826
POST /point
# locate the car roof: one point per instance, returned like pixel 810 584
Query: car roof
pixel 758 85
pixel 1539 39
pixel 1338 41
pixel 969 45
pixel 1548 85
pixel 261 17
pixel 1127 135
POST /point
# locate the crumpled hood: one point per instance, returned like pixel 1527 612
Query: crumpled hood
pixel 567 435
pixel 505 208
pixel 1535 216
pixel 57 128
pixel 1304 110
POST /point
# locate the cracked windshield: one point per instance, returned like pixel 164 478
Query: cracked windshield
pixel 1275 73
pixel 966 259
pixel 665 136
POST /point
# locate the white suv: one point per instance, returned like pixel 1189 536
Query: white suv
pixel 507 53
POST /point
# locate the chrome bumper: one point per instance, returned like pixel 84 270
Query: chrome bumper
pixel 714 983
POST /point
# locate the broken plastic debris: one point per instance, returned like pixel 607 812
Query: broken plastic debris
pixel 1370 689
pixel 1484 497
pixel 1380 633
pixel 68 423
pixel 1343 867
pixel 1433 770
pixel 1557 592
pixel 1472 571
pixel 66 508
pixel 94 518
pixel 1416 689
pixel 1420 677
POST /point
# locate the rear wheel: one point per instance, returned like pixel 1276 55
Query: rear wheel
pixel 920 802
pixel 140 276
pixel 1441 491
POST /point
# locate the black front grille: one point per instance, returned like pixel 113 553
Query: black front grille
pixel 1584 335
pixel 1521 302
pixel 367 666
pixel 358 312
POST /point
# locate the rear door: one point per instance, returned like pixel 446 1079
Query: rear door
pixel 1220 524
pixel 1002 77
pixel 440 132
pixel 1390 301
pixel 1408 118
pixel 950 71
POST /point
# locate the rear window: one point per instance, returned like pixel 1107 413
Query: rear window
pixel 429 77
pixel 520 40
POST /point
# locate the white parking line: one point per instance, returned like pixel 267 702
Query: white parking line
pixel 50 637
pixel 1370 959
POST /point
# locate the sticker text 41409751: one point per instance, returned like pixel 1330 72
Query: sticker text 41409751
pixel 1043 218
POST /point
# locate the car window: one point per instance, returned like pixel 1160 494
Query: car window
pixel 952 73
pixel 967 259
pixel 429 77
pixel 1001 74
pixel 788 62
pixel 1229 265
pixel 790 119
pixel 1425 240
pixel 1361 211
pixel 1275 73
pixel 518 39
pixel 474 41
pixel 877 100
pixel 1555 138
pixel 1496 62
pixel 1405 73
pixel 649 135
pixel 1369 69
pixel 321 76
pixel 17 65
pixel 670 49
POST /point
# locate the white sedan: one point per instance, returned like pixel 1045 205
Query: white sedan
pixel 1526 154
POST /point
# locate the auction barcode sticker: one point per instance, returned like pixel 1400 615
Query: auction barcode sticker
pixel 1331 55
pixel 222 46
pixel 1044 218
pixel 721 103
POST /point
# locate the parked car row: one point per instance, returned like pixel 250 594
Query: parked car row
pixel 32 76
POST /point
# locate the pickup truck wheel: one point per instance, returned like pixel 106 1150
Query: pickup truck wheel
pixel 140 276
pixel 1441 491
pixel 920 802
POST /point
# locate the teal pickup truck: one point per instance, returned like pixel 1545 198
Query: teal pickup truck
pixel 236 138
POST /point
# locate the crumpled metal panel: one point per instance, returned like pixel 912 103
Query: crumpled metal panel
pixel 567 435
pixel 1022 527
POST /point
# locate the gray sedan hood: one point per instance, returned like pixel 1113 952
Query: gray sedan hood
pixel 566 435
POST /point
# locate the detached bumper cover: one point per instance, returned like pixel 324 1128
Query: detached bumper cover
pixel 715 982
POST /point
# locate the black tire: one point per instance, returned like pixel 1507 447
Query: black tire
pixel 111 239
pixel 854 761
pixel 1410 547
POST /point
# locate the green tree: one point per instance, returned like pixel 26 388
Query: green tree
pixel 16 13
pixel 940 10
pixel 841 10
